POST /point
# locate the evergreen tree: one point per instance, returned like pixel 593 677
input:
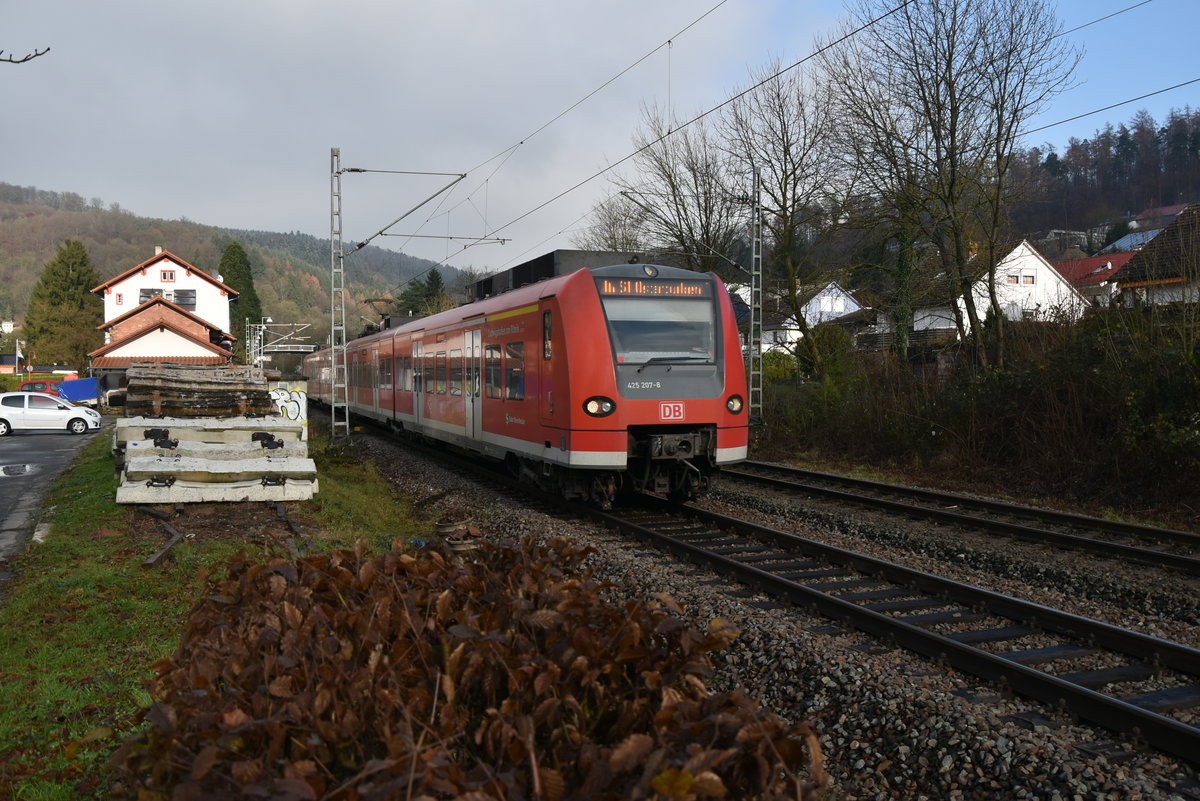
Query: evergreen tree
pixel 62 321
pixel 437 298
pixel 235 272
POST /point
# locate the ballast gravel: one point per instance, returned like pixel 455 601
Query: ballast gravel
pixel 893 725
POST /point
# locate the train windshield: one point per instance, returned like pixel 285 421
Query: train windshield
pixel 657 329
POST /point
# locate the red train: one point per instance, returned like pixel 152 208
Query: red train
pixel 623 377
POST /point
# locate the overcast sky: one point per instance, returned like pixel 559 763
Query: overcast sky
pixel 225 111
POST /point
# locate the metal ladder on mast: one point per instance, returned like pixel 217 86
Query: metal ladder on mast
pixel 755 403
pixel 339 396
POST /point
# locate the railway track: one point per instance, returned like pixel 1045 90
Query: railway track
pixel 1158 547
pixel 1122 680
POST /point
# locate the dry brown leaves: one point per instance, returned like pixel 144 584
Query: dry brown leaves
pixel 418 676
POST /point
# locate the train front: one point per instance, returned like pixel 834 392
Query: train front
pixel 680 379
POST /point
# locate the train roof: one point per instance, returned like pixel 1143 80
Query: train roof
pixel 522 296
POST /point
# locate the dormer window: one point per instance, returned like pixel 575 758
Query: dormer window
pixel 168 276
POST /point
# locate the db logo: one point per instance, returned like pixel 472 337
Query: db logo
pixel 671 411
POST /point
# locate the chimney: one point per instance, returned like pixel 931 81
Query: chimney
pixel 158 250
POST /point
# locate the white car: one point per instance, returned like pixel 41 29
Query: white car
pixel 30 410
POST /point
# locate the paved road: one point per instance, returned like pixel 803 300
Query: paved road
pixel 29 463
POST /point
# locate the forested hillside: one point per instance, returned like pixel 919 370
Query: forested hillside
pixel 1117 172
pixel 1099 181
pixel 291 270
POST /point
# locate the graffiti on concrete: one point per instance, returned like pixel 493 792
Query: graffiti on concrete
pixel 292 402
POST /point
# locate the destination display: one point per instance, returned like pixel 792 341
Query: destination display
pixel 654 287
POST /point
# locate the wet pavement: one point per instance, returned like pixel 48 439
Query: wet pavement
pixel 30 461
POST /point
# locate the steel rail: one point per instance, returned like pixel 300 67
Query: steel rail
pixel 1162 732
pixel 1150 556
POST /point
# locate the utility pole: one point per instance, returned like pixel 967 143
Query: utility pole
pixel 339 402
pixel 756 285
pixel 339 395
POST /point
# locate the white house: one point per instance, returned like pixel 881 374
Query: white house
pixel 820 304
pixel 170 277
pixel 1027 288
pixel 164 310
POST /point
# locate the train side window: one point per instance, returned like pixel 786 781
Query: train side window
pixel 385 373
pixel 428 374
pixel 403 373
pixel 514 370
pixel 547 330
pixel 456 372
pixel 491 371
pixel 439 370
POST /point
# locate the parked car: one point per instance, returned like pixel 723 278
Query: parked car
pixel 49 387
pixel 34 410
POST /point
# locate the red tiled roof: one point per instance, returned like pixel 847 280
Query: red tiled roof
pixel 218 351
pixel 1171 256
pixel 126 361
pixel 166 254
pixel 161 300
pixel 1162 211
pixel 1093 270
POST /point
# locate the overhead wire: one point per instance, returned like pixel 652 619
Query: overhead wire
pixel 732 99
pixel 692 121
pixel 798 63
pixel 511 149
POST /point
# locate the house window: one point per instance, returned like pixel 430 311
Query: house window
pixel 168 276
pixel 1012 279
pixel 186 298
pixel 147 294
pixel 120 299
pixel 1029 280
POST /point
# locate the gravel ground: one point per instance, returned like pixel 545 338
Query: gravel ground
pixel 893 725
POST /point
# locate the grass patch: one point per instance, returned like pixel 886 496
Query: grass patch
pixel 83 621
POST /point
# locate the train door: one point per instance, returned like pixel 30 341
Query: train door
pixel 375 379
pixel 552 382
pixel 418 393
pixel 471 377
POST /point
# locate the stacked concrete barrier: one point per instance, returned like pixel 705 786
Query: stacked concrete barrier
pixel 198 459
pixel 209 434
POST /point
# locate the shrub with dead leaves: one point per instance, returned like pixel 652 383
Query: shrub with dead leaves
pixel 417 676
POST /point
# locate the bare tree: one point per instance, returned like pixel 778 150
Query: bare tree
pixel 780 130
pixel 934 95
pixel 22 59
pixel 686 193
pixel 617 224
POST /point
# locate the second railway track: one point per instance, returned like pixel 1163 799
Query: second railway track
pixel 896 724
pixel 1123 680
pixel 1158 547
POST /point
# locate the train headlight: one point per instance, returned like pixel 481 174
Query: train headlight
pixel 599 406
pixel 734 404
